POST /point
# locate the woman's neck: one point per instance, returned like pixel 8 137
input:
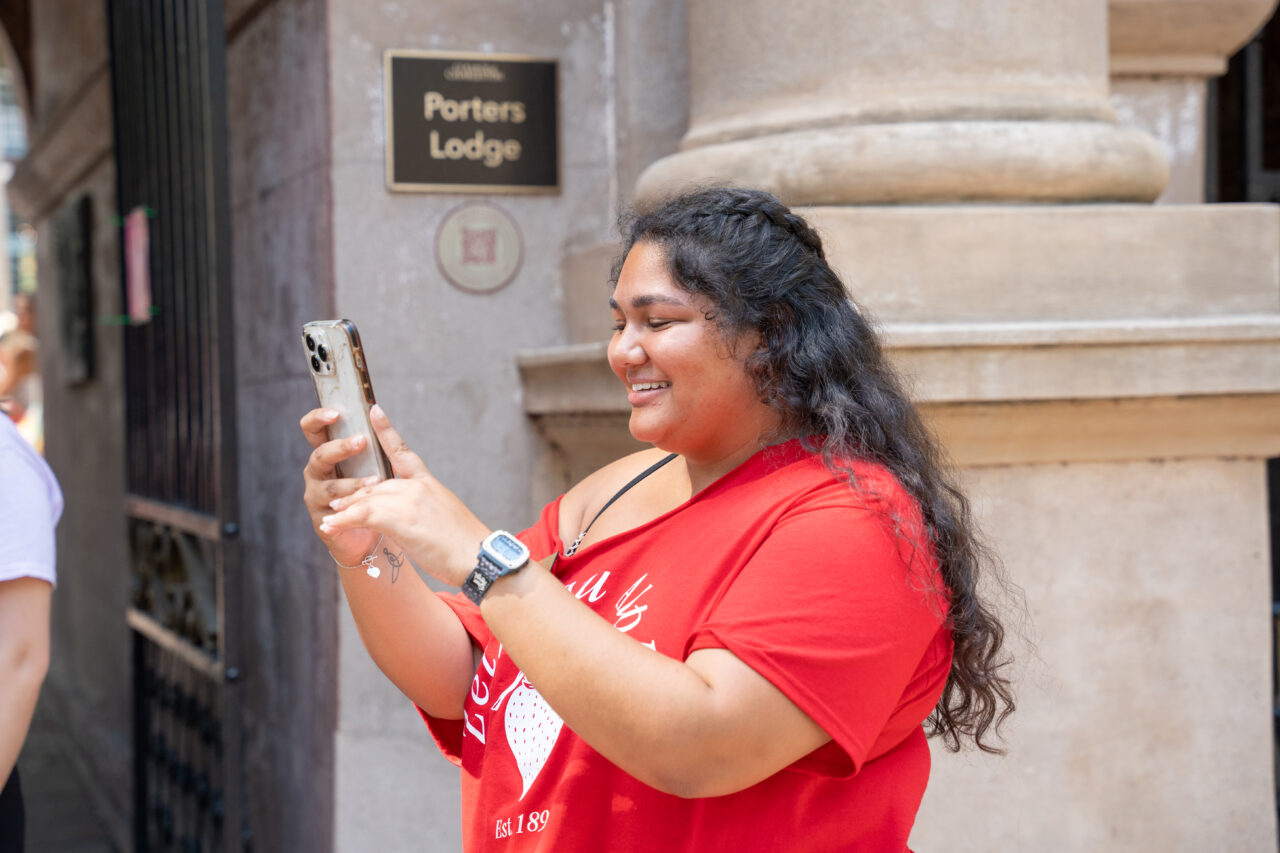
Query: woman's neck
pixel 705 470
pixel 744 437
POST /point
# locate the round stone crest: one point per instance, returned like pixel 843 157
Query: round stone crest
pixel 478 248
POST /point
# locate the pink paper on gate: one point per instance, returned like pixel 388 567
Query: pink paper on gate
pixel 137 266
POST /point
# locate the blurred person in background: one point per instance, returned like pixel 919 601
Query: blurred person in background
pixel 30 505
pixel 19 372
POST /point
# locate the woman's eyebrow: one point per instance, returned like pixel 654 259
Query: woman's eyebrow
pixel 646 299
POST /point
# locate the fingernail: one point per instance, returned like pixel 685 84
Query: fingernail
pixel 329 414
pixel 376 411
pixel 326 521
pixel 372 481
pixel 355 441
pixel 336 503
pixel 324 528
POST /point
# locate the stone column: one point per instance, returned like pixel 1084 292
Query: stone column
pixel 917 101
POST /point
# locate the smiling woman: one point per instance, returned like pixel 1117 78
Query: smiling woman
pixel 753 621
pixel 683 373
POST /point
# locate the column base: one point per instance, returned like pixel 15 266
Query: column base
pixel 928 163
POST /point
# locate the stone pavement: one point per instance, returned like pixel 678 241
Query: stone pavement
pixel 60 818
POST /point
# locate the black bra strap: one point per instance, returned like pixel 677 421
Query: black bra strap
pixel 568 552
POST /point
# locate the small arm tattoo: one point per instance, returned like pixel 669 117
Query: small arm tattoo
pixel 395 561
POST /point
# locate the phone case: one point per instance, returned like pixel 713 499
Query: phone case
pixel 341 375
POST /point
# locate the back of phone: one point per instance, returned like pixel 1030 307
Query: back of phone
pixel 341 378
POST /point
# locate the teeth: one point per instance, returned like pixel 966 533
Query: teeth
pixel 649 386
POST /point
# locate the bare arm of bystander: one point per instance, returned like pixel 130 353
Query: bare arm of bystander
pixel 24 660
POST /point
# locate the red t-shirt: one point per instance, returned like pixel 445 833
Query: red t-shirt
pixel 816 587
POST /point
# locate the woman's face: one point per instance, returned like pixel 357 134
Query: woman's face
pixel 687 385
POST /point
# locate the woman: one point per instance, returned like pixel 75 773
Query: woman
pixel 30 505
pixel 729 642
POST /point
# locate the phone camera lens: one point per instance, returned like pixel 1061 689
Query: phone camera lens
pixel 322 352
pixel 311 343
pixel 315 364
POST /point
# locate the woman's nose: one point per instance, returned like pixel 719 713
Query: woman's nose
pixel 626 349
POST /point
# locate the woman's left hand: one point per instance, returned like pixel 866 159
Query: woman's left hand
pixel 415 510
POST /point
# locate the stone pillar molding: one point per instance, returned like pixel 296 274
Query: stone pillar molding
pixel 1181 38
pixel 1163 53
pixel 930 101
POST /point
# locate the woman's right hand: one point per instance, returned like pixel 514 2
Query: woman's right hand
pixel 323 484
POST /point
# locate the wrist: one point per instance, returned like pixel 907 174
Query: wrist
pixel 457 560
pixel 385 557
pixel 521 583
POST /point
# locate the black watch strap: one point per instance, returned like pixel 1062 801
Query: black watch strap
pixel 480 579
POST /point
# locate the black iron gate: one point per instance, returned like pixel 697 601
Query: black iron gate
pixel 168 73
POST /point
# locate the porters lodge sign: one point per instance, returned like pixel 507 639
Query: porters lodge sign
pixel 471 122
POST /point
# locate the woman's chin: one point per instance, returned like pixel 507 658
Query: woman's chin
pixel 645 432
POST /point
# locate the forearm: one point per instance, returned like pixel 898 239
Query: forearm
pixel 24 660
pixel 605 686
pixel 21 673
pixel 413 636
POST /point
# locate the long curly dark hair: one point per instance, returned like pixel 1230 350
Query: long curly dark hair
pixel 821 366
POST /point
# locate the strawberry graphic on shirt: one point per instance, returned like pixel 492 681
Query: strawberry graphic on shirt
pixel 532 729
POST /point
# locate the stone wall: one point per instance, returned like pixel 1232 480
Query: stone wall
pixel 1144 718
pixel 282 276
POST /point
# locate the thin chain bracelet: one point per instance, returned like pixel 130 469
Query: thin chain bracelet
pixel 368 561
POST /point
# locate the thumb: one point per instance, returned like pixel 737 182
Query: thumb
pixel 404 462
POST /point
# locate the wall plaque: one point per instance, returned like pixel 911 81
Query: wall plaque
pixel 479 248
pixel 471 122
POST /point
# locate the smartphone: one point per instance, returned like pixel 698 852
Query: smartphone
pixel 341 375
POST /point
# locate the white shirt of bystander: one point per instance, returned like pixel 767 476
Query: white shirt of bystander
pixel 30 506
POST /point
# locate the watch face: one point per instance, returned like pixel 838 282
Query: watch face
pixel 510 550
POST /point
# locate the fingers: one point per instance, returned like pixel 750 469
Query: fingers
pixel 322 494
pixel 359 514
pixel 315 424
pixel 365 488
pixel 381 504
pixel 326 456
pixel 404 462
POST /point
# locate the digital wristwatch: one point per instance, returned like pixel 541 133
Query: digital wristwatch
pixel 501 554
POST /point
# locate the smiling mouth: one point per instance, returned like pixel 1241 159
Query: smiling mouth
pixel 649 386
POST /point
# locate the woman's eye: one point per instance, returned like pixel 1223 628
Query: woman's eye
pixel 653 324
